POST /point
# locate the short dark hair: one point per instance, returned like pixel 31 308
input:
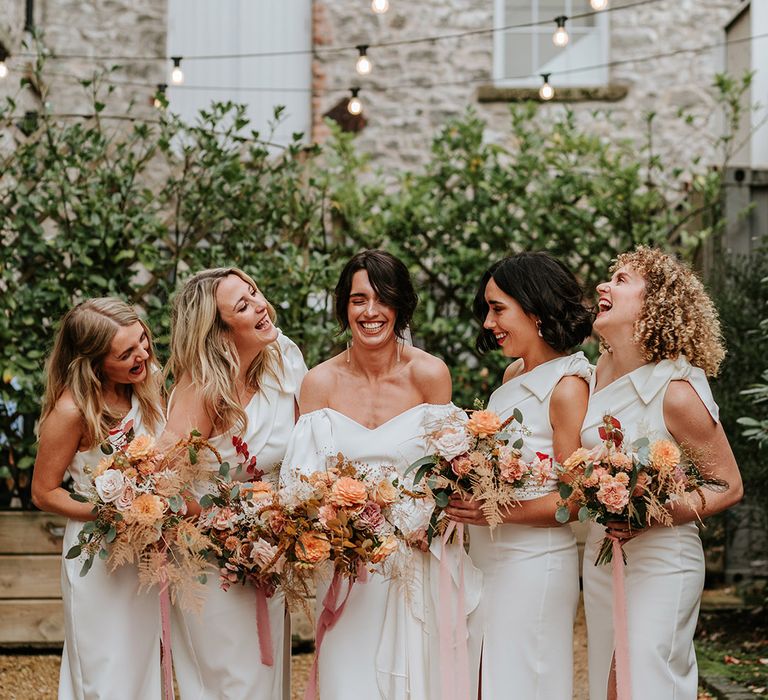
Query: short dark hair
pixel 389 278
pixel 544 288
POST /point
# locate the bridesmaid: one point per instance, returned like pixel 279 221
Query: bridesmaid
pixel 373 403
pixel 532 308
pixel 662 339
pixel 236 376
pixel 100 385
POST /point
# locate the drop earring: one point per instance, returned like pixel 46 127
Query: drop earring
pixel 538 329
pixel 349 345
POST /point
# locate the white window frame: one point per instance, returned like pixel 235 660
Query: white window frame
pixel 504 76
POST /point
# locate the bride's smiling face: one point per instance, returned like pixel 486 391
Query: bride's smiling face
pixel 371 321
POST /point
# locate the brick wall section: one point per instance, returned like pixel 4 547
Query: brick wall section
pixel 402 121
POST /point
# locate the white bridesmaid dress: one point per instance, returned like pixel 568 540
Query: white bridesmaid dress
pixel 385 645
pixel 522 631
pixel 216 651
pixel 111 630
pixel 664 576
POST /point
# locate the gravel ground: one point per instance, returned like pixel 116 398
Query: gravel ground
pixel 35 677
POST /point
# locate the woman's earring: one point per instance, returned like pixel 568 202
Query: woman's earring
pixel 349 345
pixel 538 329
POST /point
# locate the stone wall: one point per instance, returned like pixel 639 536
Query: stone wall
pixel 401 121
pixel 92 28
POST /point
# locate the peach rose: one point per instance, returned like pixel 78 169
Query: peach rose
pixel 348 492
pixel 461 465
pixel 621 461
pixel 613 495
pixel 385 493
pixel 140 447
pixel 483 423
pixel 664 454
pixel 263 553
pixel 386 548
pixel 313 548
pixel 125 500
pixel 104 464
pixel 110 485
pixel 576 458
pixel 259 490
pixel 146 509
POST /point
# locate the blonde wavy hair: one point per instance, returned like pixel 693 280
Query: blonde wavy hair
pixel 82 342
pixel 201 347
pixel 678 317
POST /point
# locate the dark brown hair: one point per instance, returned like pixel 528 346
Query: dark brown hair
pixel 389 278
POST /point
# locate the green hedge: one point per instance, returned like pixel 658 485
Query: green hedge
pixel 98 206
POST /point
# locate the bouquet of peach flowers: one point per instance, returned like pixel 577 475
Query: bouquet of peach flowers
pixel 137 494
pixel 480 457
pixel 632 484
pixel 346 514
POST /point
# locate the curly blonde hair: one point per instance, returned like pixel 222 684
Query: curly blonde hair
pixel 678 317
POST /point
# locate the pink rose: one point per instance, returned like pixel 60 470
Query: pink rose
pixel 224 519
pixel 125 500
pixel 613 495
pixel 511 467
pixel 263 553
pixel 326 514
pixel 370 517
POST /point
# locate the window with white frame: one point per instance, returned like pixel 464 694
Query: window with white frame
pixel 522 54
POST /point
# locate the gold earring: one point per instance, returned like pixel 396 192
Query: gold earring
pixel 349 345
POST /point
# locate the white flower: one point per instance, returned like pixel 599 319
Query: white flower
pixel 451 442
pixel 110 485
pixel 263 553
pixel 411 516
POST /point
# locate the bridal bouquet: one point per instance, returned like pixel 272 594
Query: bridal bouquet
pixel 480 457
pixel 628 483
pixel 137 494
pixel 348 515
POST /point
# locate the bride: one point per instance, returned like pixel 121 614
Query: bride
pixel 373 403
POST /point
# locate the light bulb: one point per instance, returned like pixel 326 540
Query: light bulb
pixel 354 106
pixel 3 70
pixel 379 7
pixel 363 65
pixel 598 5
pixel 177 75
pixel 546 92
pixel 560 37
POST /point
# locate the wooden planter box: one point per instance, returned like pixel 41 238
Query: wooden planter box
pixel 30 587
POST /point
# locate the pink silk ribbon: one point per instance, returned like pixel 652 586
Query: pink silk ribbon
pixel 454 657
pixel 329 616
pixel 620 632
pixel 165 638
pixel 264 628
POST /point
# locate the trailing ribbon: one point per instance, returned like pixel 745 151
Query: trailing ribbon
pixel 329 616
pixel 620 632
pixel 454 658
pixel 166 659
pixel 263 627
